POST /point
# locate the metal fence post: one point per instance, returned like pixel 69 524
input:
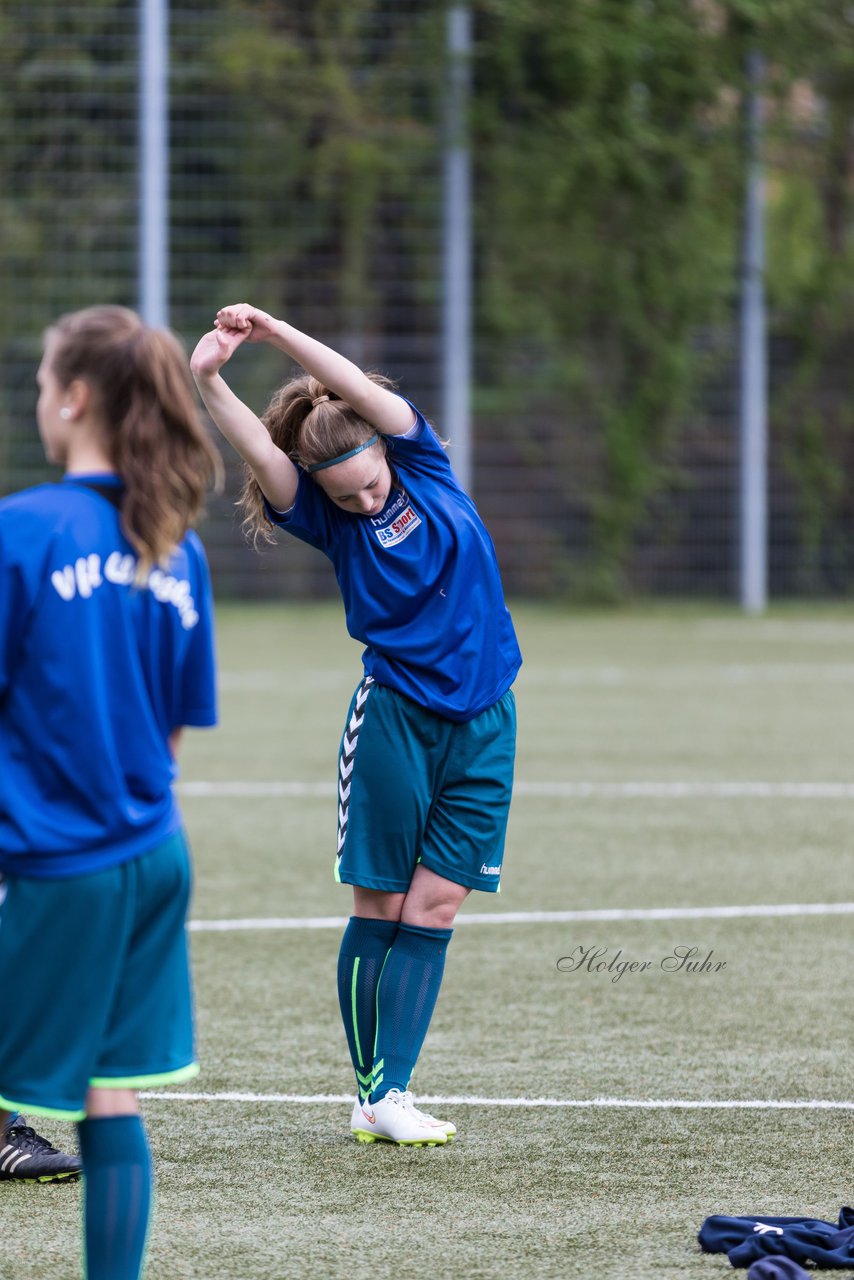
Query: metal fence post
pixel 153 268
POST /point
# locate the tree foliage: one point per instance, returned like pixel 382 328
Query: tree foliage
pixel 611 160
pixel 608 147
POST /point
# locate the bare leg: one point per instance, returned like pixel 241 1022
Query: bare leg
pixel 111 1102
pixel 432 901
pixel 374 904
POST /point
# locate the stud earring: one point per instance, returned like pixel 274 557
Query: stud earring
pixel 65 412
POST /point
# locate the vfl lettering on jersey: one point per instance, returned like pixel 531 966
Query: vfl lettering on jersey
pixel 87 574
pixel 400 527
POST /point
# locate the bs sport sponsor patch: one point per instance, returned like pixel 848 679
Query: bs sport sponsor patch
pixel 396 523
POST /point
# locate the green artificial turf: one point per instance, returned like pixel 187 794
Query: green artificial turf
pixel 255 1190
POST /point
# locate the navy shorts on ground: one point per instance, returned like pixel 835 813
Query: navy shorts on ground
pixel 95 977
pixel 416 787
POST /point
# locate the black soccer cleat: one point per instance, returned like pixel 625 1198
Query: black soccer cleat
pixel 25 1156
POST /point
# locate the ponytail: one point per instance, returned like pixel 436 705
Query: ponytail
pixel 143 395
pixel 308 422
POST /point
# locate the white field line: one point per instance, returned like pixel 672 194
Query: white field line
pixel 697 790
pixel 642 1104
pixel 549 917
pixel 788 630
pixel 699 676
pixel 580 675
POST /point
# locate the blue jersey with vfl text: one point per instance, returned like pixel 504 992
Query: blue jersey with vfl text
pixel 95 673
pixel 420 582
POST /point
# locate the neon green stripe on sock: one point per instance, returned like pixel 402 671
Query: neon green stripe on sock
pixel 377 1000
pixel 353 1013
pixel 364 1083
pixel 378 1065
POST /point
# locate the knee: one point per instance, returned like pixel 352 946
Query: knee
pixel 105 1102
pixel 432 901
pixel 430 913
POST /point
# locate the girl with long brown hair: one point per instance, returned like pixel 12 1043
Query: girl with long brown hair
pixel 106 652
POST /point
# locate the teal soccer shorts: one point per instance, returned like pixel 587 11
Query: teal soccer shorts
pixel 95 977
pixel 414 787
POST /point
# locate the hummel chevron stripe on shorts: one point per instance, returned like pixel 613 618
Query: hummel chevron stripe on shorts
pixel 347 758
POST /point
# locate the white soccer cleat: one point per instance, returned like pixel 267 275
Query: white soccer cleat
pixel 448 1128
pixel 395 1119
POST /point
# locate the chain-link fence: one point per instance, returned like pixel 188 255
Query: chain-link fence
pixel 305 176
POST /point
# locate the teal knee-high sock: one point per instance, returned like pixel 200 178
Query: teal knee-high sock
pixel 117 1196
pixel 364 948
pixel 406 998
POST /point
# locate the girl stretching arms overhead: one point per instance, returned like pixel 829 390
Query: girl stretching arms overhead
pixel 425 768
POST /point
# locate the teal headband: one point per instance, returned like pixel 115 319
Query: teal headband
pixel 342 457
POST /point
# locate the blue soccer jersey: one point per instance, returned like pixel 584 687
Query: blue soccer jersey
pixel 420 582
pixel 96 672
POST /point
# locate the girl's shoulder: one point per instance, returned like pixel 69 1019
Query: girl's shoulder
pixel 36 512
pixel 420 444
pixel 31 499
pixel 193 546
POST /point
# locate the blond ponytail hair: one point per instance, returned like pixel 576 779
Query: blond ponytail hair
pixel 153 433
pixel 308 422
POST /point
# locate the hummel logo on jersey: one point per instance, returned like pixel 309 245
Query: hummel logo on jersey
pixel 396 522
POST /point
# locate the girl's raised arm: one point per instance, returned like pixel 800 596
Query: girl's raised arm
pixel 273 469
pixel 384 410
